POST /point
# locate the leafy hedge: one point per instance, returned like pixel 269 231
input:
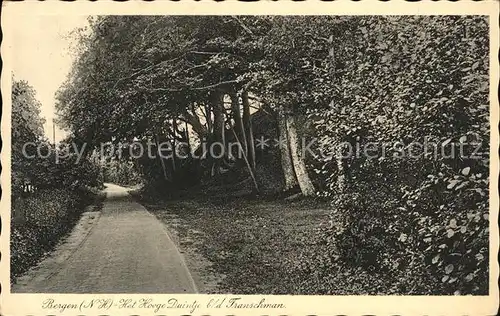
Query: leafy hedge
pixel 44 217
pixel 48 194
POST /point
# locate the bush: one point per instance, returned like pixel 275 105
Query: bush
pixel 122 172
pixel 47 208
pixel 421 219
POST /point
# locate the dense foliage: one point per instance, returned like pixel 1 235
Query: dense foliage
pixel 48 192
pixel 121 173
pixel 46 217
pixel 26 127
pixel 36 162
pixel 416 80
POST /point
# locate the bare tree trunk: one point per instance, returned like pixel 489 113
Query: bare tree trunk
pixel 218 110
pixel 193 119
pixel 238 121
pixel 208 117
pixel 161 158
pixel 247 121
pixel 298 158
pixel 223 131
pixel 284 147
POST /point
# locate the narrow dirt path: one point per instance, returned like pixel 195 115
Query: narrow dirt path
pixel 126 251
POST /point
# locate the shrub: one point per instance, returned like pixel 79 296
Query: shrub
pixel 43 218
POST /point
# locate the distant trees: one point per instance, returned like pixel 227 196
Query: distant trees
pixel 137 77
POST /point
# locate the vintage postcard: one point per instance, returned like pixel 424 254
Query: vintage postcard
pixel 231 158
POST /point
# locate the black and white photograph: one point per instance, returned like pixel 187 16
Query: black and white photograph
pixel 249 154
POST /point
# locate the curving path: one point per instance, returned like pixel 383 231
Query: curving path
pixel 125 250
